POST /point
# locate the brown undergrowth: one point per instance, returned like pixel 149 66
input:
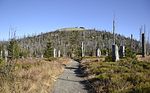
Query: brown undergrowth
pixel 140 58
pixel 30 75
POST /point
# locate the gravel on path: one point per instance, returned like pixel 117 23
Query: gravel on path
pixel 70 81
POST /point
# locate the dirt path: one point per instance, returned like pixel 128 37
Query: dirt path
pixel 70 81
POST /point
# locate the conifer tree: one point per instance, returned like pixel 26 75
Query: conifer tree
pixel 13 49
pixel 48 51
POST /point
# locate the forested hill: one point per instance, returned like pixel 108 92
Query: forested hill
pixel 69 42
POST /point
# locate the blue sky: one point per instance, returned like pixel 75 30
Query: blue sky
pixel 36 16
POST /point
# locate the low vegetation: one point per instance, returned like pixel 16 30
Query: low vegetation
pixel 30 75
pixel 125 76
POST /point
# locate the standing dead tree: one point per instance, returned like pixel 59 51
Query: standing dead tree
pixel 115 54
pixel 82 44
pixel 143 44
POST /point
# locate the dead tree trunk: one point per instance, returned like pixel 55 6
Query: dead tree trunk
pixel 122 51
pixel 82 47
pixel 1 54
pixel 143 45
pixel 115 54
pixel 58 53
pixel 54 52
pixel 98 53
pixel 6 55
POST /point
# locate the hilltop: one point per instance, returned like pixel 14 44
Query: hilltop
pixel 72 29
pixel 69 40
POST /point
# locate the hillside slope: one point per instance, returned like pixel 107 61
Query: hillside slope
pixel 69 42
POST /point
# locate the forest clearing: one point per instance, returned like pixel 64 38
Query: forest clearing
pixel 74 46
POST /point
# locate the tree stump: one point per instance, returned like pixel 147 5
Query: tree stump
pixel 115 54
pixel 143 45
pixel 122 51
pixel 58 53
pixel 98 54
pixel 54 52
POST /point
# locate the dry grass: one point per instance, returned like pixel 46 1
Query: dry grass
pixel 93 59
pixel 32 76
pixel 140 58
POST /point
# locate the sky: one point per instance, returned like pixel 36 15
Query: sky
pixel 30 17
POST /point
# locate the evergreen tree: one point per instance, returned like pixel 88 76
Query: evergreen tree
pixel 48 51
pixel 13 49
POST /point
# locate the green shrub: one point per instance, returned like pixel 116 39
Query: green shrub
pixel 134 79
pixel 141 88
pixel 103 76
pixel 13 49
pixel 127 75
pixel 108 59
pixel 130 53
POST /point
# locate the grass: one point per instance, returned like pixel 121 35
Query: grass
pixel 93 59
pixel 30 75
pixel 127 76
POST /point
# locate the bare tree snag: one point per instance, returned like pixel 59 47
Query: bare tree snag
pixel 143 45
pixel 115 54
pixel 58 53
pixel 54 53
pixel 98 53
pixel 82 47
